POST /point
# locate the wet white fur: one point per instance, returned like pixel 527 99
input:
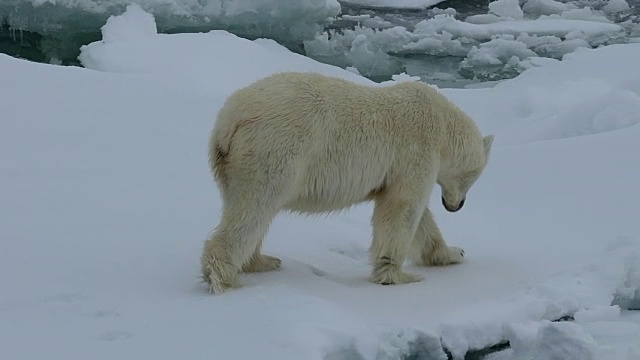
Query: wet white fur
pixel 309 143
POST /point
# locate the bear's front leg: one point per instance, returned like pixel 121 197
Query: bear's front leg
pixel 394 224
pixel 429 247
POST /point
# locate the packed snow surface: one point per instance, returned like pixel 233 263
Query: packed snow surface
pixel 107 198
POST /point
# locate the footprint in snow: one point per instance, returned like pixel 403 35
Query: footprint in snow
pixel 352 251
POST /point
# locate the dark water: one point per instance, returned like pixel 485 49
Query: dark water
pixel 425 65
pixel 60 44
pixel 409 18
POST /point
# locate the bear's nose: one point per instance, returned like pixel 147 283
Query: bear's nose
pixel 451 209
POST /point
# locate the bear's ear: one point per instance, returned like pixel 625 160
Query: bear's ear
pixel 488 140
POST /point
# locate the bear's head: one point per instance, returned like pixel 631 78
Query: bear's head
pixel 460 173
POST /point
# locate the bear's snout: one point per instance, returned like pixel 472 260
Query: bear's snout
pixel 450 208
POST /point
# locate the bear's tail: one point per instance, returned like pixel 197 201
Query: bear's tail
pixel 220 144
pixel 218 162
pixel 219 147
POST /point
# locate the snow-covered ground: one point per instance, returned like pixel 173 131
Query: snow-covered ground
pixel 106 198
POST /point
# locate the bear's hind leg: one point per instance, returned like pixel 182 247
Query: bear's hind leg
pixel 258 185
pixel 429 247
pixel 232 244
pixel 260 262
pixel 394 224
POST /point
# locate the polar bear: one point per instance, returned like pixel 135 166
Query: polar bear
pixel 310 143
